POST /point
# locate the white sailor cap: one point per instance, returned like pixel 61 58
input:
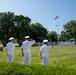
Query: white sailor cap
pixel 27 37
pixel 11 38
pixel 45 40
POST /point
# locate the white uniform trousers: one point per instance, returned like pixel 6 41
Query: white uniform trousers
pixel 27 57
pixel 45 59
pixel 10 57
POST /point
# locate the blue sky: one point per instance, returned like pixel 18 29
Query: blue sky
pixel 43 11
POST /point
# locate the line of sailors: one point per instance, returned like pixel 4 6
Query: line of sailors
pixel 26 52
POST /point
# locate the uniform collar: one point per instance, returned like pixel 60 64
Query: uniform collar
pixel 26 40
pixel 45 44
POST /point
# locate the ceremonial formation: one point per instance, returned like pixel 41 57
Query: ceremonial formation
pixel 26 50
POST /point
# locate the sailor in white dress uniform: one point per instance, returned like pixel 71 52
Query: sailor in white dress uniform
pixel 26 45
pixel 10 49
pixel 44 52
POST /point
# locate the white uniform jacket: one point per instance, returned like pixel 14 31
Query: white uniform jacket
pixel 44 49
pixel 10 50
pixel 26 45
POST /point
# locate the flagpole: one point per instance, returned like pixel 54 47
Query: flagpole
pixel 58 30
pixel 57 18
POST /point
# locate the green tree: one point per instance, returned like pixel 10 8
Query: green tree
pixel 21 26
pixel 6 25
pixel 70 29
pixel 13 25
pixel 37 31
pixel 53 36
pixel 63 36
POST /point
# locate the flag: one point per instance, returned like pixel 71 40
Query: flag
pixel 56 18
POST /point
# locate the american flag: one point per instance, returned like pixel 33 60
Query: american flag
pixel 56 18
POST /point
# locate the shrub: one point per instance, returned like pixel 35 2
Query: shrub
pixel 20 69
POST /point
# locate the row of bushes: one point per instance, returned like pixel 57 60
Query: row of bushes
pixel 20 69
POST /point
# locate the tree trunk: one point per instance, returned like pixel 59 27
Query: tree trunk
pixel 18 37
pixel 75 40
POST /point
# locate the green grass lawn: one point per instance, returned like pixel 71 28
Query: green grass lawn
pixel 61 56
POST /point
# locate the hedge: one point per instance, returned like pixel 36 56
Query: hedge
pixel 20 69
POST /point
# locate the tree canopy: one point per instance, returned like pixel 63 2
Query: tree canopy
pixel 53 36
pixel 70 29
pixel 63 36
pixel 18 26
pixel 37 31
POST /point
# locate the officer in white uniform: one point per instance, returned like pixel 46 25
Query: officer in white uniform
pixel 26 45
pixel 44 52
pixel 10 49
